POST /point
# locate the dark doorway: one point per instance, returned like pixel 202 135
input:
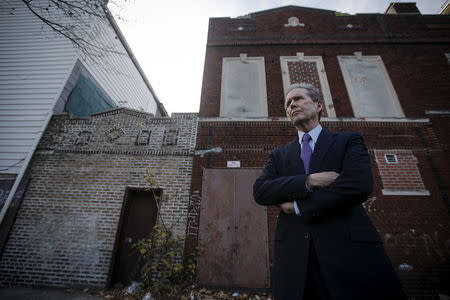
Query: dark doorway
pixel 137 220
pixel 233 229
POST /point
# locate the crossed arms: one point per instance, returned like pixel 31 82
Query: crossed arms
pixel 313 181
pixel 331 191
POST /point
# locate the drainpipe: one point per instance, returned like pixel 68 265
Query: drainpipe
pixel 13 190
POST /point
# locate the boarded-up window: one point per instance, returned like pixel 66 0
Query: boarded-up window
pixel 369 87
pixel 243 91
pixel 308 69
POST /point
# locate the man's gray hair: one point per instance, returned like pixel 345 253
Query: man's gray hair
pixel 312 91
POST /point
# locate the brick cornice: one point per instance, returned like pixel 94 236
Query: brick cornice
pixel 324 40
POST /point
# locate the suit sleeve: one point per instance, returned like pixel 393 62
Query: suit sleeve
pixel 352 187
pixel 272 189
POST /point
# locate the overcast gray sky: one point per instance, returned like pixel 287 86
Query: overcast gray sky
pixel 169 37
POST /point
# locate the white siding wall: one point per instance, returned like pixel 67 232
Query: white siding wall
pixel 117 74
pixel 35 64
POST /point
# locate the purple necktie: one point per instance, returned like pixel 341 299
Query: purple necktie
pixel 306 152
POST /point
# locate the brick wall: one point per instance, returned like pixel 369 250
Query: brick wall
pixel 406 64
pixel 414 227
pixel 65 229
pixel 399 172
pixel 412 50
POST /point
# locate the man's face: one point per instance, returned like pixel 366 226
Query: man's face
pixel 300 108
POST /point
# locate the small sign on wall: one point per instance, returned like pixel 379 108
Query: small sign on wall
pixel 233 164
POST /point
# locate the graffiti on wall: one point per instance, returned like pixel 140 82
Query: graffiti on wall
pixel 432 244
pixel 414 241
pixel 193 215
pixel 368 205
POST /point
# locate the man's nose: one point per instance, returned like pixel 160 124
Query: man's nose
pixel 293 104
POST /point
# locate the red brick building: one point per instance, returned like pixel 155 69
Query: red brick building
pixel 385 75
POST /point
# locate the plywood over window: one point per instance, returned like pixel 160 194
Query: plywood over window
pixel 243 91
pixel 369 87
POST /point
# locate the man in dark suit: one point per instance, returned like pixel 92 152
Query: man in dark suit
pixel 325 244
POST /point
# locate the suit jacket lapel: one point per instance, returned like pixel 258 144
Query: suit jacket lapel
pixel 325 140
pixel 294 157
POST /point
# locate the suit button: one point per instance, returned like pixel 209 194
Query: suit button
pixel 306 235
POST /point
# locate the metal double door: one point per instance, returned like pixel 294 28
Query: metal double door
pixel 233 230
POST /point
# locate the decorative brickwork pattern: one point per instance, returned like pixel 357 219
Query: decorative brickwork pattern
pixel 65 230
pixel 305 72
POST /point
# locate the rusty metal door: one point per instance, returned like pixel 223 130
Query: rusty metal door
pixel 233 229
pixel 137 221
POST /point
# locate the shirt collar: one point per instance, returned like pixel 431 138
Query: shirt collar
pixel 314 134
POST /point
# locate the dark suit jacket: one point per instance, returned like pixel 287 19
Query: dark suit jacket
pixel 349 250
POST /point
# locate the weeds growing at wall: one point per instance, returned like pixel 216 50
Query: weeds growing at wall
pixel 165 271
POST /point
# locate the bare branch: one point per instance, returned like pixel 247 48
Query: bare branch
pixel 78 24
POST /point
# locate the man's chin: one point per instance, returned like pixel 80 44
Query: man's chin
pixel 304 123
pixel 298 121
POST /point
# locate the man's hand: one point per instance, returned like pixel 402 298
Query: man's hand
pixel 287 207
pixel 321 179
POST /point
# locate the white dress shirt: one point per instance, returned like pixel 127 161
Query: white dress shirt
pixel 314 134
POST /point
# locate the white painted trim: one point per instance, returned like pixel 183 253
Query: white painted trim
pixel 393 120
pixel 229 119
pixel 437 112
pixel 356 105
pixel 393 150
pixel 405 192
pixel 395 162
pixel 327 99
pixel 262 79
pixel 285 119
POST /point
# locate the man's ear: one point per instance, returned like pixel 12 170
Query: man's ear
pixel 320 109
pixel 285 111
pixel 320 106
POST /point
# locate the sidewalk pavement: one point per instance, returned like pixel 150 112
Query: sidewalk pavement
pixel 43 294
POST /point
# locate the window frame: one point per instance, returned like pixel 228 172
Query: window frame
pixel 357 106
pixel 262 100
pixel 325 88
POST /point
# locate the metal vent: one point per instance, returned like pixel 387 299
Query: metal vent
pixel 391 158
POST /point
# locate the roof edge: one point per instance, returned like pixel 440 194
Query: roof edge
pixel 112 21
pixel 289 6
